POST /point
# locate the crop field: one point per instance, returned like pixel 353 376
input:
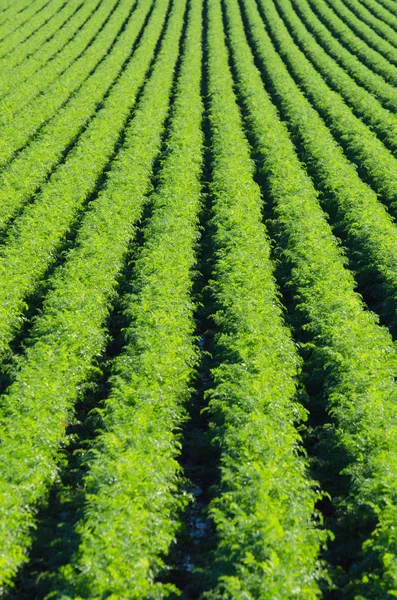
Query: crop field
pixel 198 299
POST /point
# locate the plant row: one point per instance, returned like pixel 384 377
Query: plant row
pixel 367 228
pixel 382 12
pixel 27 60
pixel 29 22
pixel 365 77
pixel 34 238
pixel 36 83
pixel 70 333
pixel 352 358
pixel 12 11
pixel 389 5
pixel 376 161
pixel 267 540
pixel 363 103
pixel 363 31
pixel 31 168
pixel 370 57
pixel 52 28
pixel 133 485
pixel 17 129
pixel 384 31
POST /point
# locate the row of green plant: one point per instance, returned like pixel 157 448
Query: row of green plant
pixel 383 13
pixel 370 57
pixel 29 170
pixel 17 129
pixel 363 31
pixel 365 77
pixel 71 331
pixel 368 229
pixel 29 57
pixel 18 30
pixel 133 485
pixel 11 11
pixel 364 104
pixel 348 355
pixel 20 96
pixel 35 42
pixel 359 142
pixel 267 540
pixel 34 237
pixel 384 31
pixel 389 5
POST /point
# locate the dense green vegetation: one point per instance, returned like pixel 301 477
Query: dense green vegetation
pixel 198 250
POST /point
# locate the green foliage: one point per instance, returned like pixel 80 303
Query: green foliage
pixel 363 75
pixel 28 25
pixel 23 80
pixel 35 237
pixel 265 521
pixel 367 53
pixel 356 357
pixel 363 103
pixel 373 30
pixel 132 486
pixel 369 229
pixel 359 141
pixel 31 55
pixel 68 103
pixel 378 18
pixel 69 334
pixel 18 128
pixel 20 179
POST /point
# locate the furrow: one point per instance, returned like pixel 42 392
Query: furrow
pixel 20 128
pixel 34 83
pixel 370 57
pixel 22 64
pixel 385 31
pixel 19 181
pixel 151 378
pixel 375 162
pixel 350 360
pixel 72 322
pixel 363 31
pixel 34 237
pixel 32 25
pixel 267 542
pixel 364 76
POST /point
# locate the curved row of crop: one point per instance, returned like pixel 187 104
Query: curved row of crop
pixel 30 169
pixel 51 29
pixel 370 57
pixel 354 358
pixel 368 35
pixel 382 12
pixel 368 230
pixel 70 332
pixel 376 161
pixel 389 5
pixel 19 19
pixel 17 132
pixel 363 103
pixel 31 26
pixel 267 541
pixel 384 31
pixel 364 76
pixel 26 61
pixel 133 485
pixel 19 95
pixel 33 238
pixel 13 9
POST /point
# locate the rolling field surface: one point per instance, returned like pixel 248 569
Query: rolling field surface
pixel 198 299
